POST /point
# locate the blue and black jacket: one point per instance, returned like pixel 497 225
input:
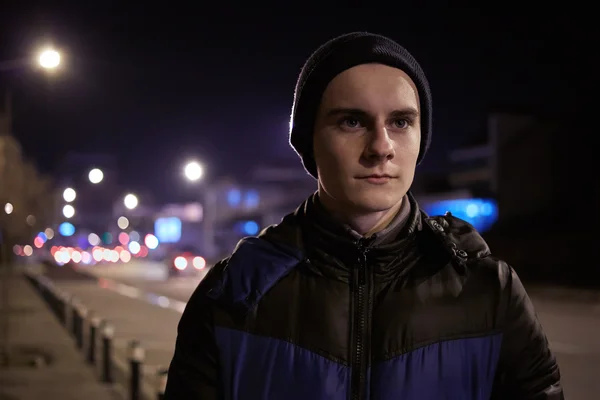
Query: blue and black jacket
pixel 305 312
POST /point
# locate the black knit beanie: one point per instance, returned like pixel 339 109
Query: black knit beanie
pixel 331 59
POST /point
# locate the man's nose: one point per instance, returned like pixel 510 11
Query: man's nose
pixel 380 146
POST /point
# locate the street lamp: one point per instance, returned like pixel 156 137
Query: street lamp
pixel 69 195
pixel 193 171
pixel 49 59
pixel 8 208
pixel 68 211
pixel 95 176
pixel 130 201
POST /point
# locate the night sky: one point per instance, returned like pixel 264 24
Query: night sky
pixel 155 85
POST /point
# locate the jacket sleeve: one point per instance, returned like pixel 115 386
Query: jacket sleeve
pixel 194 369
pixel 527 368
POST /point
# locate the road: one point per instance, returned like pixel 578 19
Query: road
pixel 144 304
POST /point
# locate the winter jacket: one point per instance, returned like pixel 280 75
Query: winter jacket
pixel 305 311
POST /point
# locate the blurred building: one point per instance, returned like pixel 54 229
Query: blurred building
pixel 505 174
pixel 245 208
pixel 522 161
pixel 471 166
pixel 539 170
pixel 472 186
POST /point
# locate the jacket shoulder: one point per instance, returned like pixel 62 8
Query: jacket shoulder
pixel 459 236
pixel 467 247
pixel 253 268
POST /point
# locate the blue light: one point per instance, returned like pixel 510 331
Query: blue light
pixel 472 210
pixel 234 197
pixel 250 228
pixel 252 199
pixel 168 230
pixel 66 229
pixel 487 209
pixel 481 213
pixel 43 236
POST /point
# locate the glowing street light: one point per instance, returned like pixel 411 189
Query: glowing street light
pixel 49 59
pixel 131 201
pixel 193 171
pixel 8 208
pixel 68 211
pixel 95 176
pixel 69 195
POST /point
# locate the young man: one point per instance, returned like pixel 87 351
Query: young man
pixel 358 294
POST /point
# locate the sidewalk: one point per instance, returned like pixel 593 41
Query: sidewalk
pixel 135 315
pixel 36 337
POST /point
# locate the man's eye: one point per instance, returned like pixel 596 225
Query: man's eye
pixel 350 123
pixel 402 123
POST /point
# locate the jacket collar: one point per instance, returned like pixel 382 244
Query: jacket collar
pixel 330 249
pixel 325 221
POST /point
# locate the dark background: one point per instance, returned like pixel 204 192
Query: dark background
pixel 153 84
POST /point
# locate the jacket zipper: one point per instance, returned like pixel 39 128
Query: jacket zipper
pixel 359 365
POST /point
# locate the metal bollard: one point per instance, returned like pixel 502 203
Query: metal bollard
pixel 55 300
pixel 61 309
pixel 136 359
pixel 74 316
pixel 93 339
pixel 82 312
pixel 108 333
pixel 68 313
pixel 162 383
pixel 50 297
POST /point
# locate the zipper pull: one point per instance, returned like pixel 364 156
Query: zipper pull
pixel 362 262
pixel 362 258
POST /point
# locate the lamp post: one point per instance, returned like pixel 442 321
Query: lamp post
pixel 48 59
pixel 194 172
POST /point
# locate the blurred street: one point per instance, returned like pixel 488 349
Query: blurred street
pixel 144 304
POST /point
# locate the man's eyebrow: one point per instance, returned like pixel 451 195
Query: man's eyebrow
pixel 405 112
pixel 345 111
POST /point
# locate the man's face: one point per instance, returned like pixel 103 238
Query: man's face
pixel 367 137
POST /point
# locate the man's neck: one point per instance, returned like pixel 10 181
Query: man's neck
pixel 366 224
pixel 384 220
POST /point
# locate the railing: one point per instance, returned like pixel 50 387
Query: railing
pixel 93 336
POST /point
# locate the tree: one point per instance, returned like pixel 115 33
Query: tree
pixel 32 205
pixel 27 190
